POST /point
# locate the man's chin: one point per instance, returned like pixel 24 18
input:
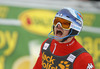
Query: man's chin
pixel 58 40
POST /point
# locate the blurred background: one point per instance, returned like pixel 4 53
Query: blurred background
pixel 25 24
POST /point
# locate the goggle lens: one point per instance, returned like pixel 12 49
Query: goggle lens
pixel 65 23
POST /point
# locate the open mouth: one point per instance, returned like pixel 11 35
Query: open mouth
pixel 59 33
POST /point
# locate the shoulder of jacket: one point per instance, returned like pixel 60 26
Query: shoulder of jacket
pixel 83 60
pixel 84 57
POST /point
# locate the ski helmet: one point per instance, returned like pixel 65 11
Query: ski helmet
pixel 74 17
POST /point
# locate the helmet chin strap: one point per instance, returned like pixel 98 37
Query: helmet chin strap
pixel 70 34
pixel 64 39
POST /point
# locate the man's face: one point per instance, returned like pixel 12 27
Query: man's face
pixel 60 32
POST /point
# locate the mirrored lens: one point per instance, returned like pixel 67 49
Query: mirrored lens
pixel 65 23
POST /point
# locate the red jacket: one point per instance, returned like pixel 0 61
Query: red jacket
pixel 83 61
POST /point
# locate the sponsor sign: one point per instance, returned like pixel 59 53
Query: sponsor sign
pixel 37 21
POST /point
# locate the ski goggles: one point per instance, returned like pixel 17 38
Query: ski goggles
pixel 64 23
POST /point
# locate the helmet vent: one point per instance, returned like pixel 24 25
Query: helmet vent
pixel 68 16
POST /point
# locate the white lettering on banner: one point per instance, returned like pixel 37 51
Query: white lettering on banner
pixel 46 45
pixel 90 66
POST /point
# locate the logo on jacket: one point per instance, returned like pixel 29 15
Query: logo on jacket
pixel 71 58
pixel 46 45
pixel 48 62
pixel 64 65
pixel 90 66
